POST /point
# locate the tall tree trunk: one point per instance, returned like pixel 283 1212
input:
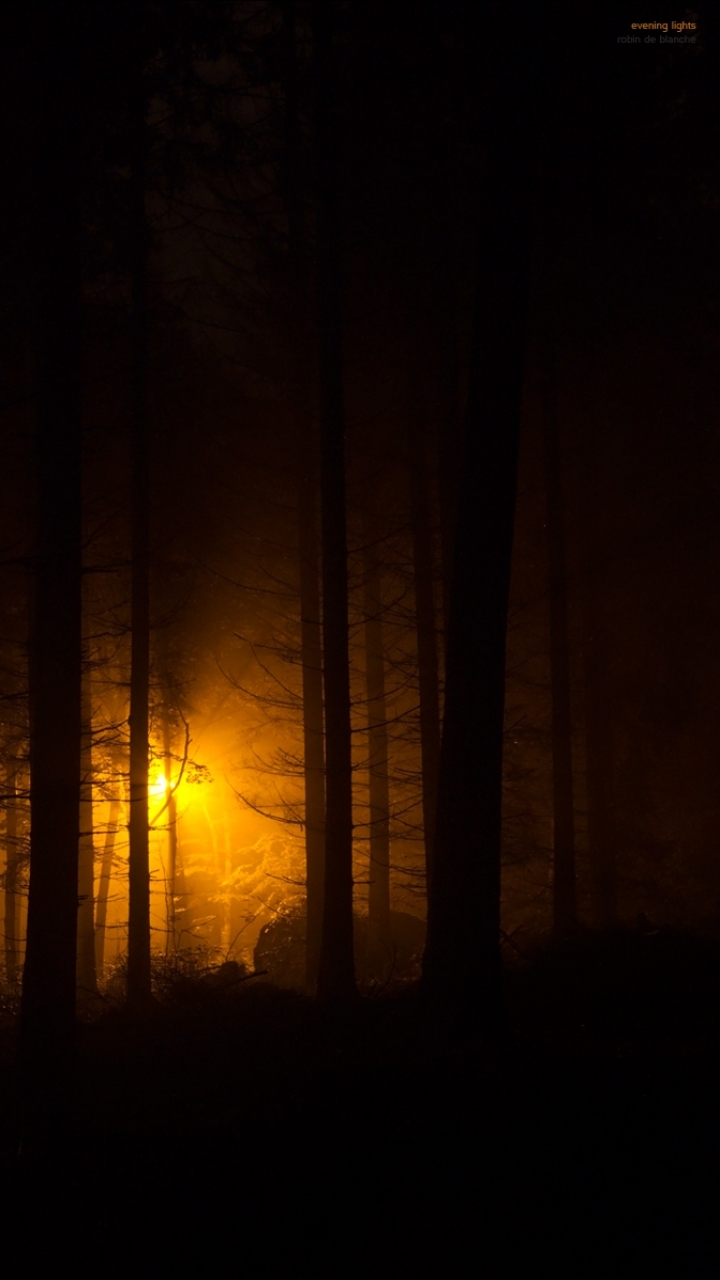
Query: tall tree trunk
pixel 446 163
pixel 183 908
pixel 564 886
pixel 11 874
pixel 598 709
pixel 225 863
pixel 47 1016
pixel 310 632
pixel 171 873
pixel 426 626
pixel 450 440
pixel 462 959
pixel 308 552
pixel 139 985
pixel 336 969
pixel 86 974
pixel 313 725
pixel 103 892
pixel 380 938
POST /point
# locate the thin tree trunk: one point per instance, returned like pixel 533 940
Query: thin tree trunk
pixel 598 714
pixel 447 270
pixel 22 916
pixel 171 874
pixel 47 1017
pixel 450 442
pixel 564 886
pixel 313 726
pixel 426 626
pixel 11 875
pixel 86 974
pixel 103 892
pixel 139 983
pixel 226 863
pixel 308 550
pixel 217 853
pixel 336 970
pixel 462 960
pixel 380 939
pixel 183 911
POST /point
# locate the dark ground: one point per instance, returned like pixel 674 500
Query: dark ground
pixel 245 1132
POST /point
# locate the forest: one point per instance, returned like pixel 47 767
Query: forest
pixel 359 619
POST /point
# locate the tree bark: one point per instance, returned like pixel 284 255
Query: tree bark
pixel 598 710
pixel 336 969
pixel 103 892
pixel 462 968
pixel 171 873
pixel 86 973
pixel 313 726
pixel 139 982
pixel 450 441
pixel 380 939
pixel 308 551
pixel 426 627
pixel 11 875
pixel 47 1016
pixel 564 885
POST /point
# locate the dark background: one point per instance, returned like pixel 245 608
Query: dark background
pixel 257 1131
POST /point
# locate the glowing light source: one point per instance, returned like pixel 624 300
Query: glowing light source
pixel 160 786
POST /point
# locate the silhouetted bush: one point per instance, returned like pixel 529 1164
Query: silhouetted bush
pixel 280 950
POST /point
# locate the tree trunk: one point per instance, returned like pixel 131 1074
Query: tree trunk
pixel 139 985
pixel 598 711
pixel 183 908
pixel 11 875
pixel 336 970
pixel 86 974
pixel 462 968
pixel 171 873
pixel 104 885
pixel 447 270
pixel 426 627
pixel 47 1016
pixel 313 726
pixel 308 552
pixel 450 441
pixel 380 939
pixel 225 863
pixel 564 887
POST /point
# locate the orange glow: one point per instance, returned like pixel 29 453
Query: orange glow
pixel 160 786
pixel 227 852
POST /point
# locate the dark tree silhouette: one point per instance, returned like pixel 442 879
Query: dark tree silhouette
pixel 171 870
pixel 86 972
pixel 313 718
pixel 48 993
pixel 600 789
pixel 426 624
pixel 378 783
pixel 103 884
pixel 12 869
pixel 336 971
pixel 307 493
pixel 564 887
pixel 462 958
pixel 139 865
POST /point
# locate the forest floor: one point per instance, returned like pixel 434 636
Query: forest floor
pixel 245 1131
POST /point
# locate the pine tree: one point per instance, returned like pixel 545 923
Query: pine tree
pixel 564 886
pixel 462 958
pixel 336 972
pixel 48 994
